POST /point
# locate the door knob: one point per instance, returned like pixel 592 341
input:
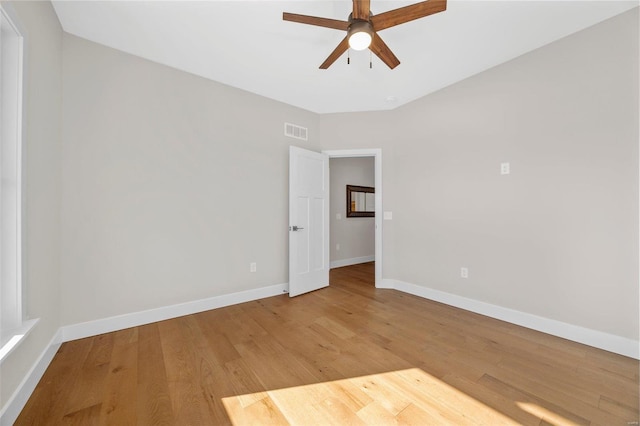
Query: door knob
pixel 295 228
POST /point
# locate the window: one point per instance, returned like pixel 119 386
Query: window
pixel 12 326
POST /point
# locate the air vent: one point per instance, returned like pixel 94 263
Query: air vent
pixel 296 132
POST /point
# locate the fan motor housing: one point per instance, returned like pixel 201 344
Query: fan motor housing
pixel 358 25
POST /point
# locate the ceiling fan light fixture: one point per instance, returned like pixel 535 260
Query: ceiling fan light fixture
pixel 360 35
pixel 362 28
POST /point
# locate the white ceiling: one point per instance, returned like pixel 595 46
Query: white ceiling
pixel 246 44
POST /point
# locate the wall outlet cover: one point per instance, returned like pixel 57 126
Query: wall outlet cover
pixel 464 272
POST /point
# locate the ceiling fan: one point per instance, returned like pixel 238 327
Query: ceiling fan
pixel 362 27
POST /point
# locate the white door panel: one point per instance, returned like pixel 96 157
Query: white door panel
pixel 308 221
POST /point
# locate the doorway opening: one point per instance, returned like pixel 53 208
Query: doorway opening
pixel 376 155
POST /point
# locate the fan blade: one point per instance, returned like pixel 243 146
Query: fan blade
pixel 383 52
pixel 314 20
pixel 342 47
pixel 361 9
pixel 408 13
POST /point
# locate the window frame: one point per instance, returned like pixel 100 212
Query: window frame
pixel 14 326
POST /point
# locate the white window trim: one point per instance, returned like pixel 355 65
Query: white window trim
pixel 13 335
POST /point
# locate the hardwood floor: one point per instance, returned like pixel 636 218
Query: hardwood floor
pixel 347 354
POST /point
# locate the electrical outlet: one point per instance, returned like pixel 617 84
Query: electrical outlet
pixel 253 267
pixel 464 272
pixel 338 247
pixel 505 168
pixel 338 216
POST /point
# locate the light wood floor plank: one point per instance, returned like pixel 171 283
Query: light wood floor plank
pixel 152 397
pixel 121 383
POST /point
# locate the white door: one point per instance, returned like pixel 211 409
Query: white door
pixel 308 221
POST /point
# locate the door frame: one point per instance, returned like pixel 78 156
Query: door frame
pixel 377 154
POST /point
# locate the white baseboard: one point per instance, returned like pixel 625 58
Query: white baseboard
pixel 595 338
pixel 14 406
pixel 134 319
pixel 598 339
pixel 352 261
pixel 16 403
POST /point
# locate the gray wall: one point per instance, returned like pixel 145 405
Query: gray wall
pixel 558 237
pixel 41 162
pixel 172 185
pixel 356 235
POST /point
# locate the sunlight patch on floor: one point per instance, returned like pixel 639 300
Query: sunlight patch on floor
pixel 405 396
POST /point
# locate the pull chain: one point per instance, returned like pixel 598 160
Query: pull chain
pixel 370 58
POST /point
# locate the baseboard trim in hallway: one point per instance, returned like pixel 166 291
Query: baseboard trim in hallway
pixel 352 261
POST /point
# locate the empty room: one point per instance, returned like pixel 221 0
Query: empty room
pixel 319 212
